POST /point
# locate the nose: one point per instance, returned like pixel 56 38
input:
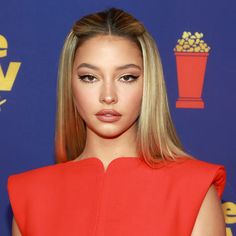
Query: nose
pixel 108 93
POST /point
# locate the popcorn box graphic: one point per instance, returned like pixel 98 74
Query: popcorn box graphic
pixel 191 55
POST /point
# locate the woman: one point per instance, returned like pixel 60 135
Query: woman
pixel 121 169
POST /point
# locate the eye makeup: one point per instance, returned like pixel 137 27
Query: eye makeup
pixel 87 78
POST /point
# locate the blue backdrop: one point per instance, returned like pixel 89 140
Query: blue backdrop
pixel 32 34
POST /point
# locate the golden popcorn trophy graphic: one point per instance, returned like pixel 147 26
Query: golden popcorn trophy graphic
pixel 191 53
pixel 7 80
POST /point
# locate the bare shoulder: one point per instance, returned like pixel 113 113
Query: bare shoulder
pixel 15 228
pixel 210 220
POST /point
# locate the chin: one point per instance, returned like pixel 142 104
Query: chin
pixel 108 132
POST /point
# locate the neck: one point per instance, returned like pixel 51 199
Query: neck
pixel 108 148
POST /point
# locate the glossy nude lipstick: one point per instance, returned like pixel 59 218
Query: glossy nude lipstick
pixel 108 115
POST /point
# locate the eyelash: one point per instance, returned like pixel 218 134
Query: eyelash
pixel 82 78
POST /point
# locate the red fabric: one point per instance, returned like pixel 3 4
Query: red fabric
pixel 130 198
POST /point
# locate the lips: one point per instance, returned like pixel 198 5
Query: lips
pixel 108 112
pixel 108 115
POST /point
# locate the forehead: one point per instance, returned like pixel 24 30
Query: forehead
pixel 109 48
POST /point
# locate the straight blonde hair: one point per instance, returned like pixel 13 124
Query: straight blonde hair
pixel 157 139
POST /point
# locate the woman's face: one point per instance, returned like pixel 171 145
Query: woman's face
pixel 108 74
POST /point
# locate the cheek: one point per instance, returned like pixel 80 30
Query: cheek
pixel 133 99
pixel 83 99
pixel 137 94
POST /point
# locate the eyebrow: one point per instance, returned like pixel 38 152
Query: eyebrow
pixel 127 66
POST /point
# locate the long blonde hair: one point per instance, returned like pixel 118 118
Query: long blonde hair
pixel 157 139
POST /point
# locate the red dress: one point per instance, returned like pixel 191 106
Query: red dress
pixel 128 199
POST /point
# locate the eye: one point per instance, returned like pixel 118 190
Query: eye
pixel 129 78
pixel 87 78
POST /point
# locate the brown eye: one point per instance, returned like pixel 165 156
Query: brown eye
pixel 87 78
pixel 129 78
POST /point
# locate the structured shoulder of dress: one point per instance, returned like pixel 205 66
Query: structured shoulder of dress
pixel 201 174
pixel 44 173
pixel 27 190
pixel 200 164
pixel 199 167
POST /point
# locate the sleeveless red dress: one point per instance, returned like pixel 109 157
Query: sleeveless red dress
pixel 129 198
